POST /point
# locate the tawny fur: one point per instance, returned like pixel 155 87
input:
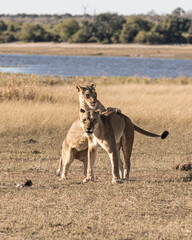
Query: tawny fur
pixel 75 145
pixel 111 131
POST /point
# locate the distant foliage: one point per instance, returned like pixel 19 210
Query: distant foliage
pixel 34 33
pixel 66 29
pixel 106 25
pixel 132 27
pixel 172 29
pixel 102 28
pixel 85 33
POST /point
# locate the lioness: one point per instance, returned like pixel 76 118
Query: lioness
pixel 88 100
pixel 75 145
pixel 106 130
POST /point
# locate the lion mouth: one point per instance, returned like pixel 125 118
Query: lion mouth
pixel 93 105
pixel 89 133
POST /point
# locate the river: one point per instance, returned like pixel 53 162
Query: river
pixel 95 66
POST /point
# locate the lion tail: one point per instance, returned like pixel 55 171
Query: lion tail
pixel 146 133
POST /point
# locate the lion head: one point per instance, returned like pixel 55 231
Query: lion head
pixel 89 120
pixel 87 96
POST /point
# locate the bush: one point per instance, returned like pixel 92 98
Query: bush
pixel 7 37
pixel 132 27
pixel 104 28
pixel 189 37
pixel 106 25
pixel 34 33
pixel 84 34
pixel 67 29
pixel 3 26
pixel 171 29
pixel 148 37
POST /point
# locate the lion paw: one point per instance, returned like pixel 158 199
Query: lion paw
pixel 117 181
pixel 125 179
pixel 57 172
pixel 117 110
pixel 111 109
pixel 86 180
pixel 63 177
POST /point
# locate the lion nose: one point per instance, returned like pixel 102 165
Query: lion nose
pixel 88 129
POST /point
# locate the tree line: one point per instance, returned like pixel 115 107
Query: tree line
pixel 104 28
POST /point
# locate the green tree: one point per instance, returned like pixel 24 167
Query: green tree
pixel 132 27
pixel 7 37
pixel 85 33
pixel 171 29
pixel 178 12
pixel 67 28
pixel 150 37
pixel 3 26
pixel 34 33
pixel 189 37
pixel 13 29
pixel 106 25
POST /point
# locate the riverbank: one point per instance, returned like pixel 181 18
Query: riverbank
pixel 36 113
pixel 93 49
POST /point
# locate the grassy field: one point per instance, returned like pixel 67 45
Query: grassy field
pixel 155 204
pixel 92 49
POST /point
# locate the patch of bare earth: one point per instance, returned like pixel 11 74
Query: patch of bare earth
pixel 93 49
pixel 155 204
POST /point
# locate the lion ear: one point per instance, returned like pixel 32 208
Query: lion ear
pixel 79 88
pixel 93 85
pixel 82 110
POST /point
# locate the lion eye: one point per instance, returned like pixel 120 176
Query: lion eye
pixel 84 120
pixel 87 95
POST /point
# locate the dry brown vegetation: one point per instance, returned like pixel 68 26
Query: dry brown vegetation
pixel 155 204
pixel 93 49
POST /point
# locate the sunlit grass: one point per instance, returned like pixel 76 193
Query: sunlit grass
pixel 31 103
pixel 154 204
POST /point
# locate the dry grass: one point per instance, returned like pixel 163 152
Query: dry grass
pixel 92 49
pixel 155 204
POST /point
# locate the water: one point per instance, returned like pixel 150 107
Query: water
pixel 95 66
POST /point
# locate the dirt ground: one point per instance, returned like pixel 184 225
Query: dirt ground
pixel 156 203
pixel 92 49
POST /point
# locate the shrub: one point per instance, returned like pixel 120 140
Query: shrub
pixel 34 33
pixel 132 27
pixel 66 29
pixel 148 37
pixel 106 25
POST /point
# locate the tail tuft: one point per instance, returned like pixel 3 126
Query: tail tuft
pixel 164 134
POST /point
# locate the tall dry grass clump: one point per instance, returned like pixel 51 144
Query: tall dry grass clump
pixel 30 104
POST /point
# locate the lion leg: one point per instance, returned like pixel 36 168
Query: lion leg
pixel 68 158
pixel 58 171
pixel 85 167
pixel 82 156
pixel 115 167
pixel 92 153
pixel 127 145
pixel 121 170
pixel 127 160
